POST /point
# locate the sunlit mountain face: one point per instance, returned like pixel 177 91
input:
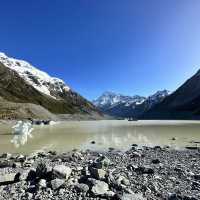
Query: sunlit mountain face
pixel 119 105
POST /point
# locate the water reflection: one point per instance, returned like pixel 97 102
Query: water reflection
pixel 21 131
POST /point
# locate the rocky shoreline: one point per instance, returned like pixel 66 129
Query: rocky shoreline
pixel 139 173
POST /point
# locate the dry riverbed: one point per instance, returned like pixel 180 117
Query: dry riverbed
pixel 139 173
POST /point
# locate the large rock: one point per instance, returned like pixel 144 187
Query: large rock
pixel 6 155
pixel 122 180
pixel 100 188
pixel 31 175
pixel 102 162
pixel 42 183
pixel 6 163
pixel 57 183
pixel 61 171
pixel 41 170
pixel 9 178
pixel 81 188
pixel 97 173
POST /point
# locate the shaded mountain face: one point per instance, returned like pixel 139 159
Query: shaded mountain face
pixel 119 105
pixel 184 103
pixel 20 82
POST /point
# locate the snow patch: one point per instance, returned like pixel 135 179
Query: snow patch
pixel 38 79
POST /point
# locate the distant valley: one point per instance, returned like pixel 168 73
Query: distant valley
pixel 184 103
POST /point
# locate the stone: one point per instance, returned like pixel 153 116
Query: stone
pixel 6 163
pixel 109 194
pixel 102 162
pixel 28 163
pixel 72 181
pixel 123 180
pixel 192 147
pixel 136 154
pixel 132 197
pixel 134 145
pixel 62 171
pixel 79 168
pixel 31 175
pixel 28 195
pixel 132 167
pixel 32 189
pixel 8 178
pixel 91 182
pixel 156 161
pixel 82 188
pixel 20 158
pixel 157 147
pixel 145 170
pixel 100 188
pixel 57 183
pixel 6 155
pixel 173 196
pixel 111 149
pixel 41 170
pixel 16 165
pixel 42 183
pixel 97 173
pixel 197 176
pixel 53 153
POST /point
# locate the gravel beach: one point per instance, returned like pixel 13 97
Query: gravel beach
pixel 139 173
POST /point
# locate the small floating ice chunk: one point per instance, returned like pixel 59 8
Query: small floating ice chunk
pixel 21 131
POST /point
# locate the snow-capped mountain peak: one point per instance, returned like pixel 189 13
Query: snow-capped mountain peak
pixel 125 106
pixel 40 80
pixel 112 99
pixel 161 94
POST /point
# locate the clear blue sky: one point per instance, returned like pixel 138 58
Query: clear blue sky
pixel 126 46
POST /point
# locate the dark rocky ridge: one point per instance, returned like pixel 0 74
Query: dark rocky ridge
pixel 15 89
pixel 184 103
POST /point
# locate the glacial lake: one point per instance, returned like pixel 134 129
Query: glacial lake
pixel 118 134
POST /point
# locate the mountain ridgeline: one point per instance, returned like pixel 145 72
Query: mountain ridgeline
pixel 184 103
pixel 26 92
pixel 119 105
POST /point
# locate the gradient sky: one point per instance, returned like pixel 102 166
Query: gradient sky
pixel 126 46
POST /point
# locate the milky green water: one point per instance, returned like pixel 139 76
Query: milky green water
pixel 118 134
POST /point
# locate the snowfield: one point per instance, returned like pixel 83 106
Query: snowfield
pixel 38 79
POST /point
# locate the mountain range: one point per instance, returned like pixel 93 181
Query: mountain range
pixel 183 103
pixel 124 106
pixel 26 91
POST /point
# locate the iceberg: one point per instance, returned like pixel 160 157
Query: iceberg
pixel 21 131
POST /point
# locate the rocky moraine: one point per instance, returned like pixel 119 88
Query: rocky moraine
pixel 141 173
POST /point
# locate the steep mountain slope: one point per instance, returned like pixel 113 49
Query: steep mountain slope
pixel 22 83
pixel 184 103
pixel 127 106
